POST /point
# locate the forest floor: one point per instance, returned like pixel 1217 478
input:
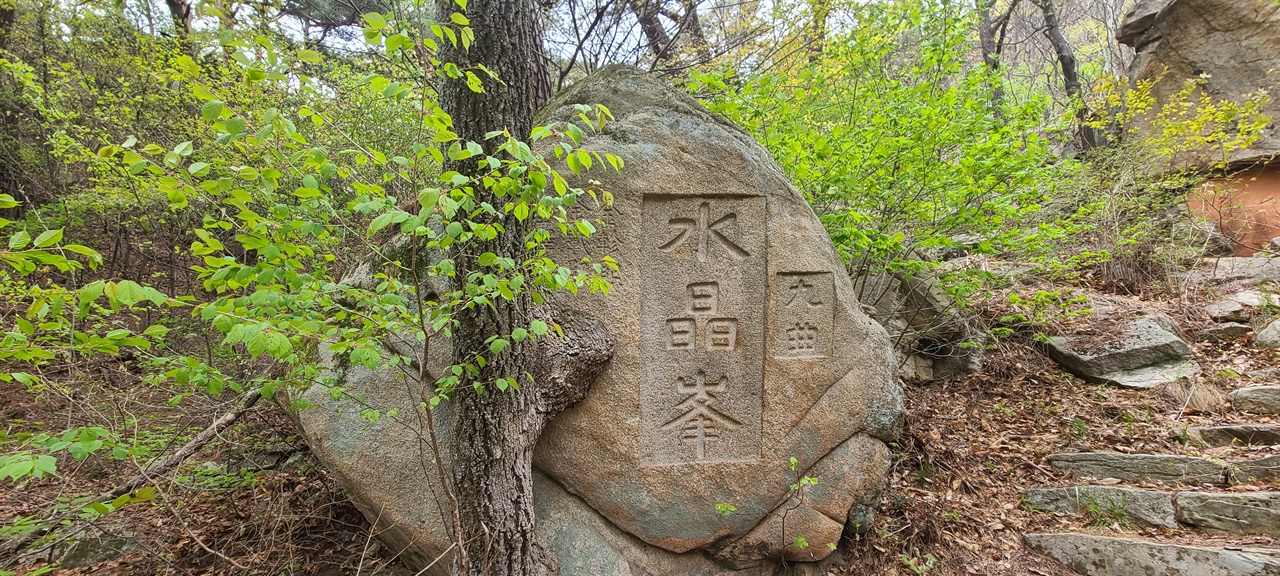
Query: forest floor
pixel 973 444
pixel 254 501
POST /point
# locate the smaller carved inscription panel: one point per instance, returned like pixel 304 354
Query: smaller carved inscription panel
pixel 704 286
pixel 804 313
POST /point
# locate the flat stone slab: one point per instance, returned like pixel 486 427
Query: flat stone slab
pixel 1237 269
pixel 1149 507
pixel 1105 556
pixel 1255 471
pixel 1236 435
pixel 1146 354
pixel 1224 332
pixel 1240 513
pixel 1239 307
pixel 1163 469
pixel 1269 336
pixel 1256 399
pixel 1227 311
pixel 1255 299
pixel 1152 376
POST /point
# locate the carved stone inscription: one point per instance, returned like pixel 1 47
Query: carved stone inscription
pixel 804 314
pixel 702 315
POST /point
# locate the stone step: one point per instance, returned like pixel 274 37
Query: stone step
pixel 1255 471
pixel 1107 556
pixel 1223 332
pixel 1167 469
pixel 1237 513
pixel 1240 307
pixel 1234 435
pixel 1157 468
pixel 1256 399
pixel 1147 507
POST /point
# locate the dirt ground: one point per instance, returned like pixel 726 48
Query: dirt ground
pixel 255 502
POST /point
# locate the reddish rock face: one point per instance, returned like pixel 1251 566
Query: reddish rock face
pixel 1246 207
pixel 1231 49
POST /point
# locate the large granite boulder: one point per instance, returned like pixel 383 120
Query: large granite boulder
pixel 1231 46
pixel 741 345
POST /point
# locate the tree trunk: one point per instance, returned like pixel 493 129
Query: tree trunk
pixel 495 431
pixel 180 14
pixel 647 12
pixel 817 34
pixel 691 28
pixel 991 35
pixel 1089 137
pixel 7 13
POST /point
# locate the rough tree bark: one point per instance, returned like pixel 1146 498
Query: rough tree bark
pixel 691 28
pixel 495 432
pixel 991 35
pixel 1089 137
pixel 647 12
pixel 180 15
pixel 7 13
pixel 817 33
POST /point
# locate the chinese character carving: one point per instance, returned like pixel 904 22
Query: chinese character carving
pixel 722 333
pixel 703 297
pixel 706 295
pixel 698 422
pixel 802 338
pixel 802 292
pixel 704 231
pixel 680 333
pixel 804 323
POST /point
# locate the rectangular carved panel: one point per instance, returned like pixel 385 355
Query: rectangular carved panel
pixel 703 323
pixel 804 308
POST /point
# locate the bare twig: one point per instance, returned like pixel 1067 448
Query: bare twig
pixel 11 548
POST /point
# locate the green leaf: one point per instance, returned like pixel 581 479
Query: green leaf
pixel 45 464
pixel 498 345
pixel 428 198
pixel 258 343
pixel 156 331
pixel 177 199
pixel 129 292
pixel 19 240
pixel 48 238
pixel 382 221
pixel 539 328
pixel 278 345
pixel 212 110
pixel 198 168
pixel 376 21
pixel 309 56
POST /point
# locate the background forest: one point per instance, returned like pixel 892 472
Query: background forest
pixel 183 185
